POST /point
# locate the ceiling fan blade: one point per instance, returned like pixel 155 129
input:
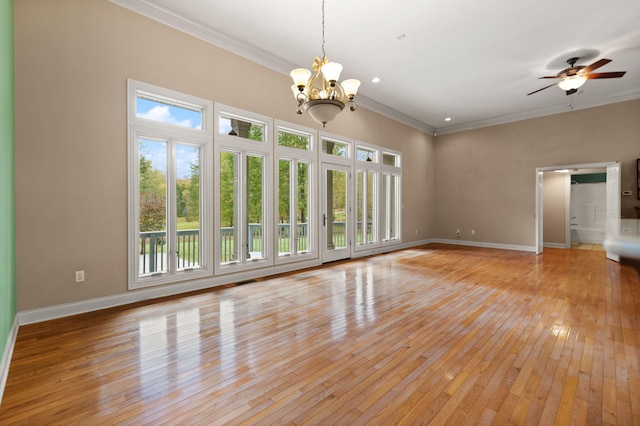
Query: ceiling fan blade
pixel 536 91
pixel 550 76
pixel 595 65
pixel 613 74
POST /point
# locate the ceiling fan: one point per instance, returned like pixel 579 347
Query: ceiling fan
pixel 575 76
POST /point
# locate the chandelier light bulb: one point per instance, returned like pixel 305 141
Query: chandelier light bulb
pixel 300 77
pixel 331 71
pixel 351 87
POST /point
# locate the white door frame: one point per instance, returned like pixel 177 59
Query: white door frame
pixel 613 198
pixel 347 252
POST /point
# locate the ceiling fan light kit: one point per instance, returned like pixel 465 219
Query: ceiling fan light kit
pixel 319 93
pixel 574 77
pixel 572 82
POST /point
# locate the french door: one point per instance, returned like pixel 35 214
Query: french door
pixel 336 218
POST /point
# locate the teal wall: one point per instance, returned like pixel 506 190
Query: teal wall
pixel 589 178
pixel 7 177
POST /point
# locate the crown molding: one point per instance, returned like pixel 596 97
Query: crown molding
pixel 535 114
pixel 170 18
pixel 388 112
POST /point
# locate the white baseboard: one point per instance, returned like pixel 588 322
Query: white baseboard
pixel 83 306
pixel 90 305
pixel 556 245
pixel 6 356
pixel 485 245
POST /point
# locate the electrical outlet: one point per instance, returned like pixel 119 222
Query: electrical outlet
pixel 473 232
pixel 458 233
pixel 79 276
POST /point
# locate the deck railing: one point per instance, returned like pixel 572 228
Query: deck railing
pixel 153 245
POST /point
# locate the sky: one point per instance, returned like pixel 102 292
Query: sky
pixel 157 151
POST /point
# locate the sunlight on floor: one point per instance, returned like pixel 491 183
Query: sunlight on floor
pixel 587 246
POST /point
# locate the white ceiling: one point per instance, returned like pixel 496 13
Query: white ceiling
pixel 473 61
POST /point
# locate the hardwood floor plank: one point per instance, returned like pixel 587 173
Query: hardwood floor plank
pixel 432 335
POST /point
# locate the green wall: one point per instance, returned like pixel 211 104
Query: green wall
pixel 589 178
pixel 7 177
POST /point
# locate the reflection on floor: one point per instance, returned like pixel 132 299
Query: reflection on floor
pixel 587 246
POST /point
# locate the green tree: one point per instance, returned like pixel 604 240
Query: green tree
pixel 153 197
pixel 303 195
pixel 227 188
pixel 181 197
pixel 192 194
pixel 301 142
pixel 284 195
pixel 254 188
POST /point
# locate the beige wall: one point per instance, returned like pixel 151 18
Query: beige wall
pixel 72 61
pixel 485 178
pixel 554 208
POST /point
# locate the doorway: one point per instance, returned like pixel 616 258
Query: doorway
pixel 588 208
pixel 336 220
pixel 612 215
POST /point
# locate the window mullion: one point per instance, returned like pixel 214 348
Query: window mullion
pixel 171 208
pixel 293 207
pixel 243 202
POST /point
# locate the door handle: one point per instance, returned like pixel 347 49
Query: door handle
pixel 324 220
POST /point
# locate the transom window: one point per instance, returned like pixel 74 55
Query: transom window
pixel 334 147
pixel 366 154
pixel 168 111
pixel 389 159
pixel 241 127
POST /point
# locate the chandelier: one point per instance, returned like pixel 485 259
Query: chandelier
pixel 319 93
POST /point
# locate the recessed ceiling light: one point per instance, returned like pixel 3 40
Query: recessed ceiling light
pixel 447 119
pixel 375 80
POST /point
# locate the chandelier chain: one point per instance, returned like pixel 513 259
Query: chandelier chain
pixel 324 55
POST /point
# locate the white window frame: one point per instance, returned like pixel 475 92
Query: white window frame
pixel 244 147
pixel 397 171
pixel 365 166
pixel 142 127
pixel 336 160
pixel 297 155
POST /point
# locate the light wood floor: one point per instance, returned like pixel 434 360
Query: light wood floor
pixel 435 335
pixel 587 246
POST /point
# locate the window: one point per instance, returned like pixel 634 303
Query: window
pixel 378 202
pixel 334 147
pixel 243 128
pixel 366 154
pixel 169 191
pixel 391 203
pixel 367 173
pixel 243 190
pixel 295 187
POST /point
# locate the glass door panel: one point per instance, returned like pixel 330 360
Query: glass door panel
pixel 336 215
pixel 390 209
pixel 303 206
pixel 255 212
pixel 284 208
pixel 152 176
pixel 188 206
pixel 228 207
